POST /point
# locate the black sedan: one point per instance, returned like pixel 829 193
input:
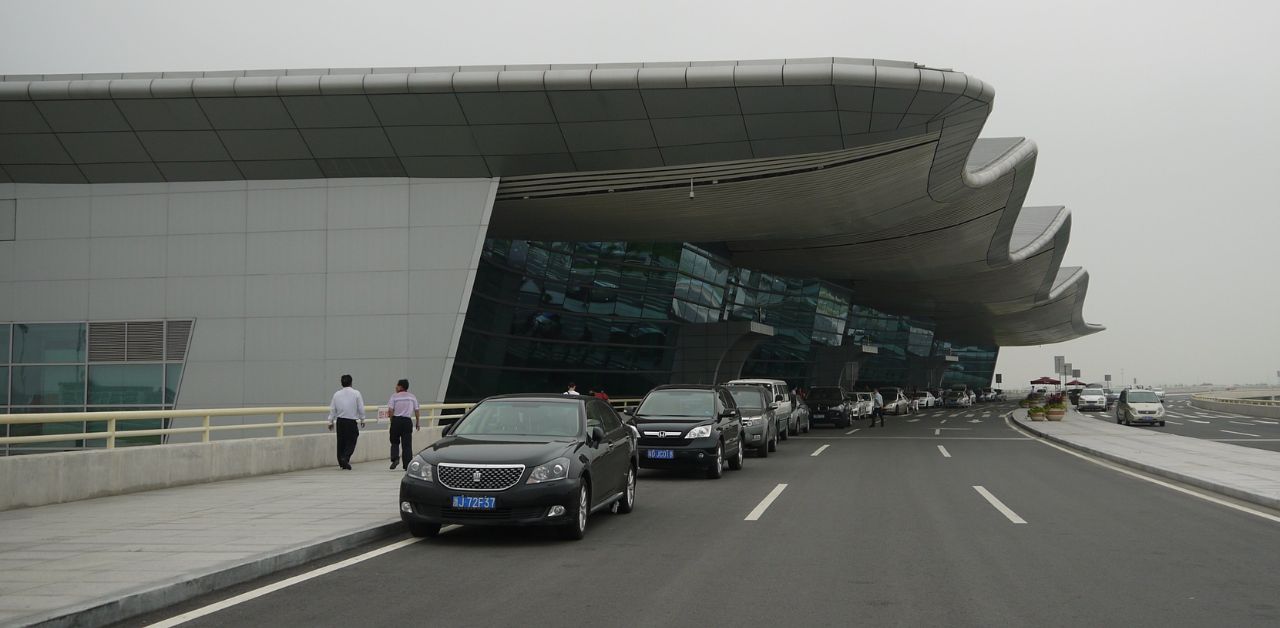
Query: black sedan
pixel 831 404
pixel 521 460
pixel 690 427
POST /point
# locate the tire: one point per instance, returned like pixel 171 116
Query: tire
pixel 716 470
pixel 1162 424
pixel 628 501
pixel 807 426
pixel 763 450
pixel 576 529
pixel 421 530
pixel 735 463
pixel 773 444
pixel 786 431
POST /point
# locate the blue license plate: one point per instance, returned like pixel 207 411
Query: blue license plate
pixel 468 502
pixel 819 416
pixel 662 454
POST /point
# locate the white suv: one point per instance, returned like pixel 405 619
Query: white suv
pixel 1092 399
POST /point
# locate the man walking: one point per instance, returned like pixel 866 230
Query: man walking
pixel 877 409
pixel 345 409
pixel 401 404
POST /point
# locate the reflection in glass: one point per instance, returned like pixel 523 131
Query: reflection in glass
pixel 126 384
pixel 48 343
pixel 47 385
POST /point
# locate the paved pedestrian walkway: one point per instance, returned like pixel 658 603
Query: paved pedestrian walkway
pixel 103 559
pixel 1245 473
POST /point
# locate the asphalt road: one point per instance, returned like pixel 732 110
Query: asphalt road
pixel 1183 419
pixel 882 527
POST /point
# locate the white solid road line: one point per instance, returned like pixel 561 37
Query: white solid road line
pixel 851 431
pixel 1175 422
pixel 1265 421
pixel 912 420
pixel 1239 422
pixel 999 505
pixel 1240 433
pixel 945 453
pixel 764 503
pixel 284 584
pixel 821 449
pixel 1200 422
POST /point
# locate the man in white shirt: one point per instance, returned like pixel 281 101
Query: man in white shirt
pixel 573 389
pixel 400 407
pixel 345 409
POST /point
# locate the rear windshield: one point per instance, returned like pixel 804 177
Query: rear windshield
pixel 521 418
pixel 920 395
pixel 1142 396
pixel 681 403
pixel 748 398
pixel 825 394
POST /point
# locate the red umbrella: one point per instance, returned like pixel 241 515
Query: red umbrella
pixel 1076 382
pixel 1044 380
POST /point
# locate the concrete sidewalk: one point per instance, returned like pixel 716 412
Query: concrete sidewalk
pixel 97 561
pixel 1245 473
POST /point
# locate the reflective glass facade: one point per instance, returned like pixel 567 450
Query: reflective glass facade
pixel 609 315
pixel 48 367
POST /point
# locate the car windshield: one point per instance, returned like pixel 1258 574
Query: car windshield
pixel 748 397
pixel 920 395
pixel 1092 391
pixel 1142 396
pixel 826 395
pixel 683 403
pixel 521 418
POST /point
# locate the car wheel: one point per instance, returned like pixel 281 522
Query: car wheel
pixel 628 501
pixel 763 450
pixel 735 463
pixel 576 529
pixel 807 426
pixel 773 444
pixel 786 432
pixel 1162 424
pixel 423 529
pixel 717 465
pixel 1118 419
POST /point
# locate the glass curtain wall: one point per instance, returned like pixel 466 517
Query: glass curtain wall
pixel 607 315
pixel 48 367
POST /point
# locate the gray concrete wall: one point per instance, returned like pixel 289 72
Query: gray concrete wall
pixel 291 283
pixel 36 480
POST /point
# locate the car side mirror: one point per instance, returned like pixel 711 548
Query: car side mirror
pixel 597 435
pixel 773 406
pixel 728 413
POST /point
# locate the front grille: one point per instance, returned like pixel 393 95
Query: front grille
pixel 496 514
pixel 491 478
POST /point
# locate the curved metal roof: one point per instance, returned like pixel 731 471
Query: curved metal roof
pixel 861 171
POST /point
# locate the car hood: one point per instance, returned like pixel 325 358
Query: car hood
pixel 1145 407
pixel 1093 397
pixel 658 423
pixel 526 450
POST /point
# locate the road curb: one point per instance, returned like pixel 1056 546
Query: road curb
pixel 1222 489
pixel 115 608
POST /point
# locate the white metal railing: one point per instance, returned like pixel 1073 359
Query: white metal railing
pixel 1240 401
pixel 432 413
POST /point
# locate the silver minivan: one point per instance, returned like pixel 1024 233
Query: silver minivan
pixel 788 420
pixel 1139 406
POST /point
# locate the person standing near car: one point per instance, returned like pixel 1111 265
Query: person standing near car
pixel 399 407
pixel 346 407
pixel 877 407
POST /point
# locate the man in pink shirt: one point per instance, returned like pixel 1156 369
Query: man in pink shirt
pixel 399 407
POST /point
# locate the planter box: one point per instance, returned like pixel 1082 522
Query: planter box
pixel 1056 415
pixel 1036 417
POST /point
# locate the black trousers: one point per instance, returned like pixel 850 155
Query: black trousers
pixel 877 413
pixel 401 440
pixel 348 432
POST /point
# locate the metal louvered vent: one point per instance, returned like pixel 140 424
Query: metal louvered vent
pixel 144 341
pixel 176 338
pixel 106 342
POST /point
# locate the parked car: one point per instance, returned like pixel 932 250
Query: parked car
pixel 1092 399
pixel 895 401
pixel 690 427
pixel 1139 406
pixel 998 395
pixel 543 460
pixel 801 413
pixel 956 399
pixel 833 405
pixel 864 404
pixel 1159 393
pixel 1113 396
pixel 759 428
pixel 788 424
pixel 987 394
pixel 925 399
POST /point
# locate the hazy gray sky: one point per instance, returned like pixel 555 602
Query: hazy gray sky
pixel 1157 122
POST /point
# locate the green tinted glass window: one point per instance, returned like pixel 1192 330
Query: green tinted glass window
pixel 4 343
pixel 47 343
pixel 126 384
pixel 47 385
pixel 4 385
pixel 172 377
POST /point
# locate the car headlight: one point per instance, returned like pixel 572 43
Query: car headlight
pixel 419 469
pixel 702 431
pixel 1160 411
pixel 557 469
pixel 748 421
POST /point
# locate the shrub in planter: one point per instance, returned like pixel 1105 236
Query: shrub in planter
pixel 1056 411
pixel 1036 413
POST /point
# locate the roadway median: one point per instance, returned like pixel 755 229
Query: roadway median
pixel 1247 474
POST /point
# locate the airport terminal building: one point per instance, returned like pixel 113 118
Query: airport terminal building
pixel 218 239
